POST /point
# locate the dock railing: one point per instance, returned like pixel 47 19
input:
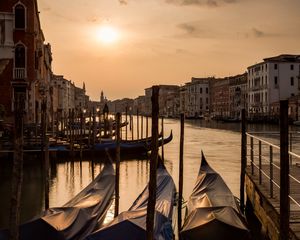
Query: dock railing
pixel 271 166
pixel 263 158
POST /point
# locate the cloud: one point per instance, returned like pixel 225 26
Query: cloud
pixel 195 30
pixel 92 19
pixel 257 33
pixel 209 3
pixel 123 2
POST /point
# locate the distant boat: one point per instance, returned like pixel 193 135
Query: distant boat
pixel 212 211
pixel 131 224
pixel 231 119
pixel 78 217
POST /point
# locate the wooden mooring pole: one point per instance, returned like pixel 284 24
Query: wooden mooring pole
pixel 81 133
pixel 46 158
pixel 162 140
pixel 147 127
pixel 284 171
pixel 17 171
pixel 142 126
pixel 243 161
pixel 45 151
pixel 94 128
pixel 132 128
pixel 153 165
pixel 180 185
pixel 117 184
pixel 137 125
pixel 126 120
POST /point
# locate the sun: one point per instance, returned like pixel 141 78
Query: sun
pixel 107 34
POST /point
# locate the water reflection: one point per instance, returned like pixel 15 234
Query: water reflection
pixel 219 141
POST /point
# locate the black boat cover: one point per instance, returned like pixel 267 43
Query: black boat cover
pixel 131 225
pixel 131 146
pixel 78 217
pixel 212 210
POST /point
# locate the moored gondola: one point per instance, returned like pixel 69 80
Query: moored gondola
pixel 131 225
pixel 131 146
pixel 212 211
pixel 77 218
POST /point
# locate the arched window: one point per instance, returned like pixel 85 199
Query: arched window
pixel 20 56
pixel 19 16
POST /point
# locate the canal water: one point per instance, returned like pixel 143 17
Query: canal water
pixel 219 141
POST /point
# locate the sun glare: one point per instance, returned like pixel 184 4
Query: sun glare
pixel 107 34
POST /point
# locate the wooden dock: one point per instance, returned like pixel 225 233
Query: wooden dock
pixel 267 208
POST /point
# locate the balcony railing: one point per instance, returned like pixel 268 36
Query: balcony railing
pixel 20 73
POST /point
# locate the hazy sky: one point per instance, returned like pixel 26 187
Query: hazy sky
pixel 164 41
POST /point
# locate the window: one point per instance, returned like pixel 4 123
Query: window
pixel 19 16
pixel 275 80
pixel 292 66
pixel 292 81
pixel 275 66
pixel 206 90
pixel 201 90
pixel 20 56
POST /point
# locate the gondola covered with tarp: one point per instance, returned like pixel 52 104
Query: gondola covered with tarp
pixel 141 146
pixel 78 217
pixel 131 225
pixel 212 210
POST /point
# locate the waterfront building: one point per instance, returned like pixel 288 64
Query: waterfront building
pixel 120 105
pixel 196 97
pixel 23 70
pixel 166 103
pixel 139 104
pixel 237 95
pixel 220 97
pixel 80 103
pixel 65 92
pixel 274 79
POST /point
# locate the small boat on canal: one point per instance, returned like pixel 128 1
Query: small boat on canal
pixel 141 146
pixel 131 224
pixel 78 217
pixel 212 210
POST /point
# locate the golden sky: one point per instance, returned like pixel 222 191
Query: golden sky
pixel 164 41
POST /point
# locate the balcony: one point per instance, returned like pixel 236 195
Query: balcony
pixel 20 73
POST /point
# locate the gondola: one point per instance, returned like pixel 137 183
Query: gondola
pixel 131 146
pixel 78 217
pixel 131 224
pixel 212 210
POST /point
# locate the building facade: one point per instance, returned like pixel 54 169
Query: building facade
pixel 168 96
pixel 237 95
pixel 274 79
pixel 220 98
pixel 23 73
pixel 197 100
pixel 65 93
